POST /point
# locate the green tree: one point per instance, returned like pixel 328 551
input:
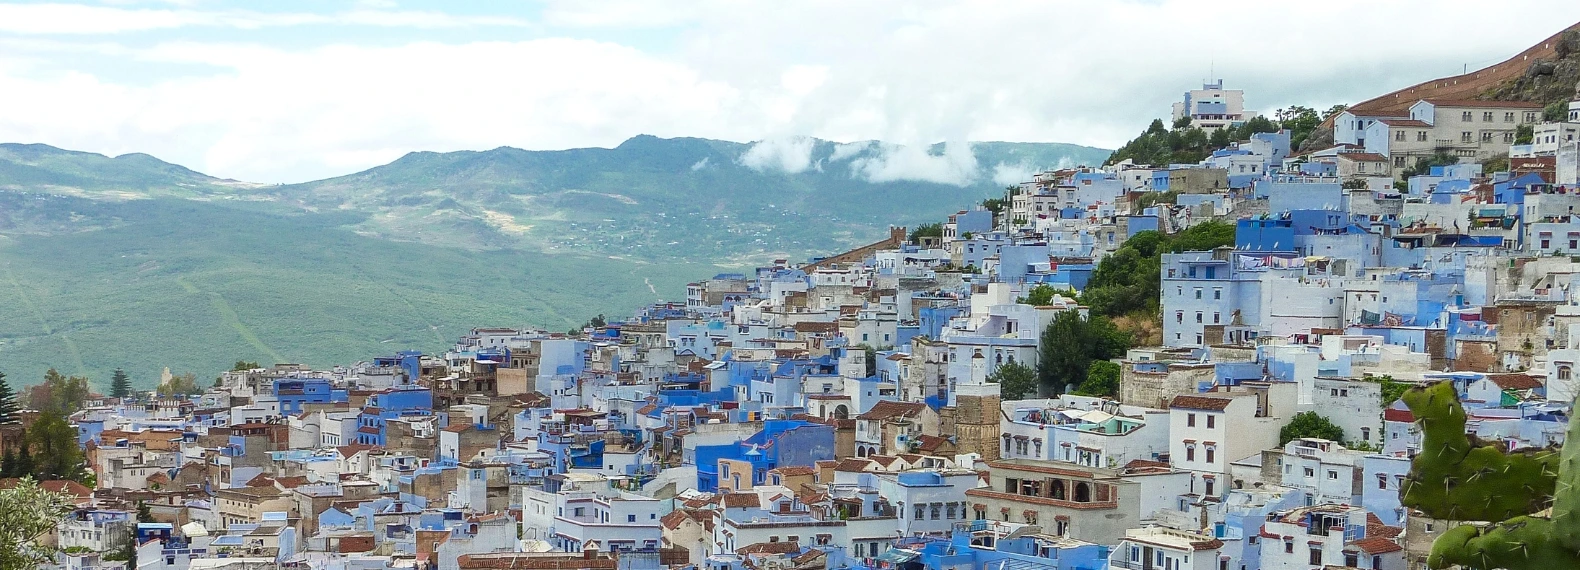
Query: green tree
pixel 120 385
pixel 179 385
pixel 24 461
pixel 27 513
pixel 1015 381
pixel 1070 344
pixel 144 514
pixel 1181 123
pixel 242 366
pixel 1157 128
pixel 1310 424
pixel 1102 379
pixel 599 321
pixel 933 230
pixel 55 443
pixel 8 405
pixel 1220 138
pixel 59 393
pixel 1556 111
pixel 1391 389
pixel 1524 134
pixel 1334 110
pixel 8 464
pixel 1040 295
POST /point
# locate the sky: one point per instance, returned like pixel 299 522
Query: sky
pixel 290 90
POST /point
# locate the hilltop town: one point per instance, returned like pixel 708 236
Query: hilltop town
pixel 1216 364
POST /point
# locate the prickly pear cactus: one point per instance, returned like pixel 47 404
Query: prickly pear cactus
pixel 1455 478
pixel 1479 482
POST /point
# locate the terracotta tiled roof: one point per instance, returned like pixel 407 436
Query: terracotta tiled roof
pixel 769 548
pixel 793 470
pixel 1405 123
pixel 889 409
pixel 1377 545
pixel 853 465
pixel 353 449
pixel 1364 157
pixel 739 500
pixel 1200 403
pixel 1515 381
pixel 1392 415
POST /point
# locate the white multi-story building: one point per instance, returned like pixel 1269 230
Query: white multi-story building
pixel 1212 107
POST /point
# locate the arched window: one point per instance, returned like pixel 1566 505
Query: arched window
pixel 1083 493
pixel 1058 489
pixel 1564 372
pixel 841 412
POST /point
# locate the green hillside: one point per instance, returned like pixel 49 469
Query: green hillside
pixel 137 263
pixel 197 286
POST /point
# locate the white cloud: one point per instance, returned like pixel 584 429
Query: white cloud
pixel 1011 174
pixel 846 150
pixel 900 71
pixel 86 19
pixel 784 154
pixel 699 165
pixel 957 165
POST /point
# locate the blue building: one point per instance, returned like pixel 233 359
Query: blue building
pixel 293 392
pixel 390 404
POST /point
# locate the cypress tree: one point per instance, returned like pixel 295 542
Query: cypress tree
pixel 24 463
pixel 8 464
pixel 8 405
pixel 120 385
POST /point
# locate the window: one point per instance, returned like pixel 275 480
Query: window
pixel 1398 135
pixel 1508 117
pixel 1190 453
pixel 1289 547
pixel 1211 419
pixel 1190 420
pixel 1198 317
pixel 1508 137
pixel 1316 556
pixel 1464 136
pixel 1209 454
pixel 1466 116
pixel 1333 475
pixel 1198 292
pixel 1216 318
pixel 1217 293
pixel 1420 136
pixel 630 518
pixel 1382 481
pixel 1486 116
pixel 1179 316
pixel 1311 472
pixel 1398 160
pixel 1486 137
pixel 1208 482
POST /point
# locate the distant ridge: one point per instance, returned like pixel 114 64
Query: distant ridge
pixel 1473 85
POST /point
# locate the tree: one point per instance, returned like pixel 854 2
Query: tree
pixel 55 443
pixel 144 514
pixel 1040 295
pixel 1524 134
pixel 27 513
pixel 59 393
pixel 1310 424
pixel 24 461
pixel 598 321
pixel 1157 128
pixel 1220 138
pixel 1181 123
pixel 120 385
pixel 1102 379
pixel 1555 112
pixel 8 464
pixel 1070 344
pixel 8 405
pixel 933 230
pixel 1015 381
pixel 242 365
pixel 179 385
pixel 1334 110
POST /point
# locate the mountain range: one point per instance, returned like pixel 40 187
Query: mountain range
pixel 137 263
